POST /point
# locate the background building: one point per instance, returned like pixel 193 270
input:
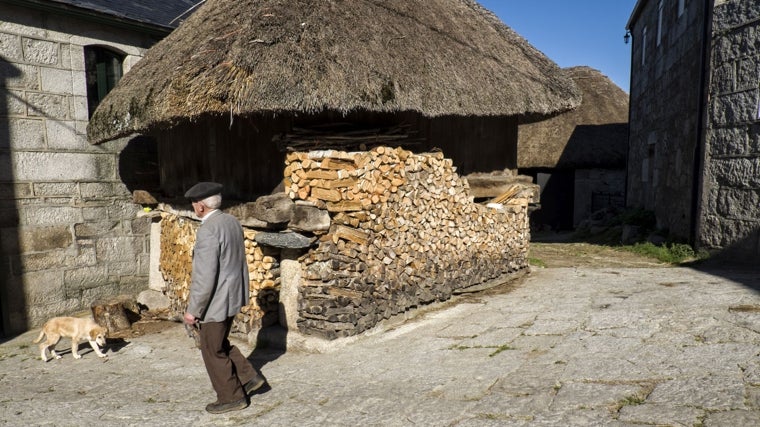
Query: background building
pixel 694 148
pixel 68 228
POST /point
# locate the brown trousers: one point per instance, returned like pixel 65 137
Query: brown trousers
pixel 226 366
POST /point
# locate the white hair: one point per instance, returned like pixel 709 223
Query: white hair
pixel 212 202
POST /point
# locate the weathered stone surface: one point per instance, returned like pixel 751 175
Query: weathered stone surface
pixel 56 80
pixel 291 279
pixel 19 76
pixel 699 392
pixel 38 239
pixel 40 51
pixel 63 135
pixel 48 105
pixel 732 418
pixel 38 166
pixel 51 215
pixel 15 104
pixel 23 134
pixel 290 239
pixel 153 299
pixel 156 280
pixel 55 189
pixel 659 414
pixel 10 47
pixel 75 280
pixel 274 209
pixel 53 259
pixel 96 229
pixel 116 248
pixel 309 218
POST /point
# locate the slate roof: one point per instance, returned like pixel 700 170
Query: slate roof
pixel 162 13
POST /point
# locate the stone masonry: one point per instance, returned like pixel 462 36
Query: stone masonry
pixel 69 232
pixel 664 115
pixel 731 209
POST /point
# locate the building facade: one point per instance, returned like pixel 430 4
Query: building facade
pixel 69 232
pixel 694 142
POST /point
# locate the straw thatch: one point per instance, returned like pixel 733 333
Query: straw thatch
pixel 237 57
pixel 594 135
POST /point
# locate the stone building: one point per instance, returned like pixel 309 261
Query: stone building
pixel 694 148
pixel 578 157
pixel 68 228
pixel 435 82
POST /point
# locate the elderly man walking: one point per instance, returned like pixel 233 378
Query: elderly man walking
pixel 219 289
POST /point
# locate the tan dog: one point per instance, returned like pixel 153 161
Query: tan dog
pixel 77 329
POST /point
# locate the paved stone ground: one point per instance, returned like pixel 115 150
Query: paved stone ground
pixel 566 347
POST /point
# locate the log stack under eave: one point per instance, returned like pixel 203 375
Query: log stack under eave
pixel 395 230
pixel 405 232
pixel 177 241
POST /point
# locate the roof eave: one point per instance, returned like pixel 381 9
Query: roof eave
pixel 93 16
pixel 635 14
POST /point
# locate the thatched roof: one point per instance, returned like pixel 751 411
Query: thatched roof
pixel 236 57
pixel 593 135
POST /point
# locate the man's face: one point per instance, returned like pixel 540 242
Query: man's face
pixel 197 208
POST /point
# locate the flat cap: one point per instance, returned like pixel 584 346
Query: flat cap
pixel 202 190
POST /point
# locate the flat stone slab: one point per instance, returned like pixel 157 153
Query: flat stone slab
pixel 286 240
pixel 568 346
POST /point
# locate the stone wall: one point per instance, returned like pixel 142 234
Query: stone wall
pixel 664 118
pixel 597 189
pixel 69 233
pixel 731 208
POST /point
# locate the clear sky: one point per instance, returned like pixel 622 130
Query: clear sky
pixel 573 32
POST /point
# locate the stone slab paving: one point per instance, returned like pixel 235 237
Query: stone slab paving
pixel 567 347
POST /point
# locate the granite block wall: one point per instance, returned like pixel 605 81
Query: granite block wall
pixel 69 232
pixel 730 218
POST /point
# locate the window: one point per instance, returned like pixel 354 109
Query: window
pixel 644 46
pixel 681 7
pixel 103 68
pixel 659 23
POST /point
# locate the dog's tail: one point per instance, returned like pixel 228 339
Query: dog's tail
pixel 42 334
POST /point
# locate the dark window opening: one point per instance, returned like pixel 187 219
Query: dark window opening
pixel 103 68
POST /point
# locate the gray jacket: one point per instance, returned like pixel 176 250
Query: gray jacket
pixel 219 287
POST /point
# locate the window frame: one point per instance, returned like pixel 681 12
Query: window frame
pixel 104 67
pixel 660 7
pixel 644 46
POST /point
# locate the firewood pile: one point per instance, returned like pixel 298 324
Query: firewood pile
pixel 404 232
pixel 177 241
pixel 176 261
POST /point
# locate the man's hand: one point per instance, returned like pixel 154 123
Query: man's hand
pixel 189 319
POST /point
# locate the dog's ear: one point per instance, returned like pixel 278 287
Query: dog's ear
pixel 94 332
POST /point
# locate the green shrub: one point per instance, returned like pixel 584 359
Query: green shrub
pixel 673 253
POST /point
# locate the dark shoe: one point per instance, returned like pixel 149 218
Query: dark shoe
pixel 254 384
pixel 220 408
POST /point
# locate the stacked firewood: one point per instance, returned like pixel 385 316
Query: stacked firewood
pixel 404 232
pixel 263 272
pixel 177 241
pixel 176 261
